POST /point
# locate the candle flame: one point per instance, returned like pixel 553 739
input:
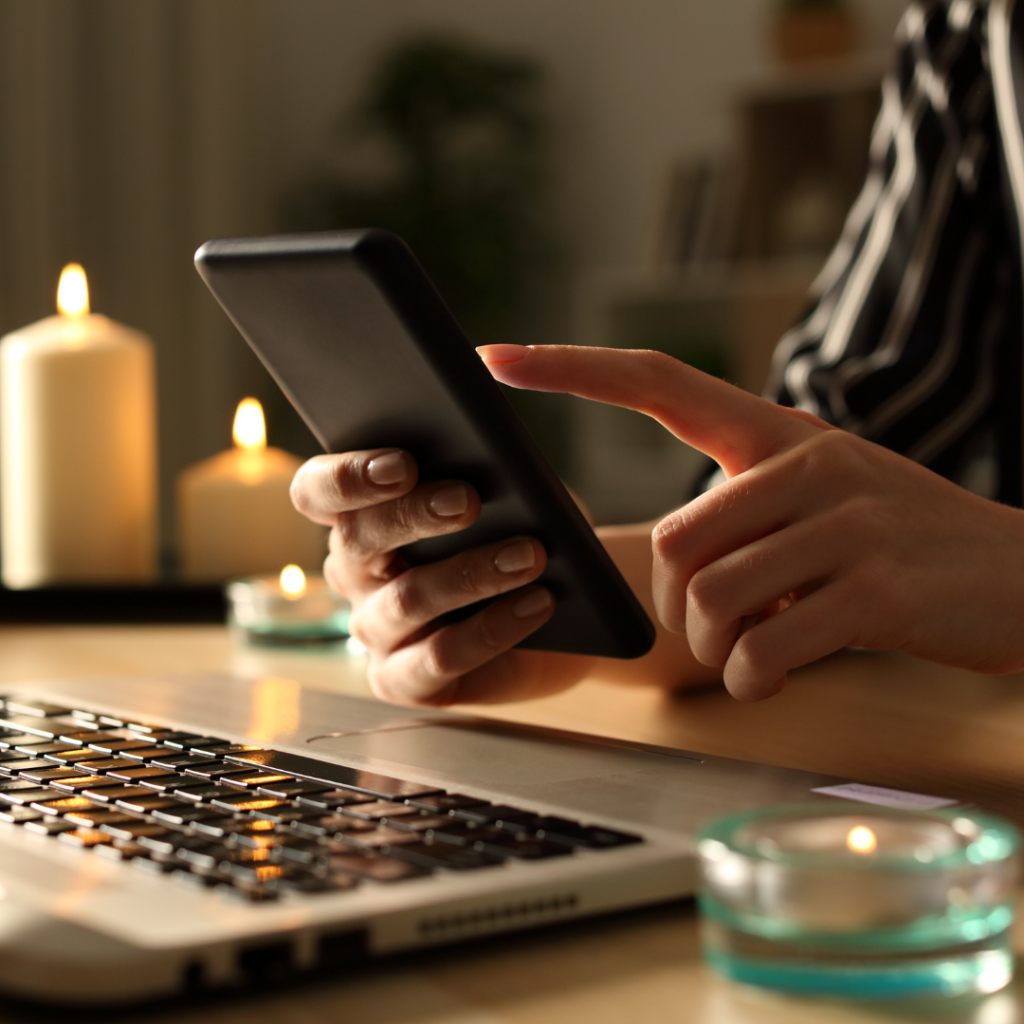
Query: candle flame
pixel 861 840
pixel 293 581
pixel 73 291
pixel 250 429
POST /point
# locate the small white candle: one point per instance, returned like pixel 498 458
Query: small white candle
pixel 290 606
pixel 235 517
pixel 77 447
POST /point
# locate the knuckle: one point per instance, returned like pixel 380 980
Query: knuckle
pixel 438 659
pixel 489 636
pixel 401 599
pixel 348 536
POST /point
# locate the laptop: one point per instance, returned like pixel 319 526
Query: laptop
pixel 165 835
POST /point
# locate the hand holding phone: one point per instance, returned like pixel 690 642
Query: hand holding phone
pixel 360 342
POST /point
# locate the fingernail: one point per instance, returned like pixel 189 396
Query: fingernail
pixel 533 603
pixel 450 501
pixel 387 469
pixel 495 355
pixel 515 557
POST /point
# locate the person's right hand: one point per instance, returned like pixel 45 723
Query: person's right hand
pixel 375 504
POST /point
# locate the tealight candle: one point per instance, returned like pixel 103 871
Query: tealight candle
pixel 860 903
pixel 235 517
pixel 78 448
pixel 289 608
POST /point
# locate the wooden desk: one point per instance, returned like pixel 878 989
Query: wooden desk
pixel 875 718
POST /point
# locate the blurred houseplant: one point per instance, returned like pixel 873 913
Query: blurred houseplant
pixel 814 30
pixel 445 148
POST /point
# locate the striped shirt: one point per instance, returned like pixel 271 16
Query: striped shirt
pixel 913 338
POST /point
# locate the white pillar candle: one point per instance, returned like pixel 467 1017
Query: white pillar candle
pixel 235 517
pixel 77 448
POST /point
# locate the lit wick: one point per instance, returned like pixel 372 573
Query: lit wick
pixel 861 840
pixel 73 291
pixel 293 581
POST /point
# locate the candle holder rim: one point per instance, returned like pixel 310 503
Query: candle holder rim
pixel 973 854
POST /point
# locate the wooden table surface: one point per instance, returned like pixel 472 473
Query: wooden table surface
pixel 875 718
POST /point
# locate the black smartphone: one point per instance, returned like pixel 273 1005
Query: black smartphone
pixel 358 338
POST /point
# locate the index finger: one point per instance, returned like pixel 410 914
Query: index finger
pixel 738 430
pixel 327 485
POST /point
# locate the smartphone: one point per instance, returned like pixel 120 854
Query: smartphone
pixel 357 337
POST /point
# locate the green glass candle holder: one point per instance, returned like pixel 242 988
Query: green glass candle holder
pixel 860 902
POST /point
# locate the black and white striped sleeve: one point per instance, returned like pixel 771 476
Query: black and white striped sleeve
pixel 913 336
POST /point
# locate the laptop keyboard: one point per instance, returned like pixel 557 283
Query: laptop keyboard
pixel 257 823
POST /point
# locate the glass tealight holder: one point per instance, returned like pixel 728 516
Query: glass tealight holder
pixel 291 608
pixel 860 902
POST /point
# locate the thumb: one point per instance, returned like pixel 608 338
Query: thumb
pixel 738 430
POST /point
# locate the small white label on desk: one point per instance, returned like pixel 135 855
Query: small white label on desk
pixel 885 797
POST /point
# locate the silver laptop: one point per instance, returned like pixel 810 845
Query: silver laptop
pixel 168 834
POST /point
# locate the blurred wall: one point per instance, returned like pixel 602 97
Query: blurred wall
pixel 132 130
pixel 631 86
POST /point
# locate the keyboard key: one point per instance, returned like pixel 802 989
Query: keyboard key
pixel 27 764
pixel 10 755
pixel 184 742
pixel 185 814
pixel 595 837
pixel 311 882
pixel 501 843
pixel 117 746
pixel 260 874
pixel 181 762
pixel 294 788
pixel 22 725
pixel 121 851
pixel 377 838
pixel 491 814
pixel 31 795
pixel 130 831
pixel 443 855
pixel 286 814
pixel 324 771
pixel 80 782
pixel 48 774
pixel 444 802
pixel 144 771
pixel 172 842
pixel 204 793
pixel 378 867
pixel 23 739
pixel 334 798
pixel 252 780
pixel 221 749
pixel 85 736
pixel 381 809
pixel 49 826
pixel 99 816
pixel 230 826
pixel 171 783
pixel 330 825
pixel 84 837
pixel 110 794
pixel 75 756
pixel 147 754
pixel 100 763
pixel 33 707
pixel 63 805
pixel 110 720
pixel 18 815
pixel 247 802
pixel 214 770
pixel 55 747
pixel 146 804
